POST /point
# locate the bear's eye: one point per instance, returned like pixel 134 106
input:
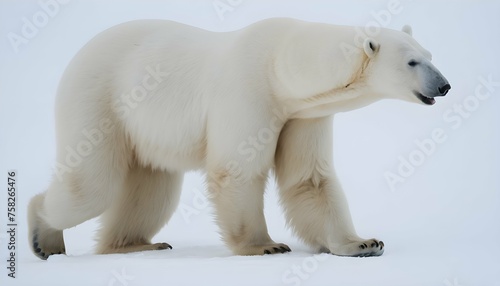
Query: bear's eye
pixel 412 63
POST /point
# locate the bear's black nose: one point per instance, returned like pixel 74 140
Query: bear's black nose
pixel 444 89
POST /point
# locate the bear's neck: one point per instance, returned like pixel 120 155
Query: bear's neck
pixel 334 101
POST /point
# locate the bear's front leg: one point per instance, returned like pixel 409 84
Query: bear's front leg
pixel 317 211
pixel 239 210
pixel 315 205
pixel 242 132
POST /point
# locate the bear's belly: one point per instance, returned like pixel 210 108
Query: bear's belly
pixel 170 157
pixel 170 135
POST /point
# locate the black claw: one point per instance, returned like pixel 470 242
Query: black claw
pixel 35 241
pixel 285 249
pixel 267 252
pixel 169 246
pixel 280 249
pixel 60 252
pixel 42 254
pixel 381 244
pixel 362 246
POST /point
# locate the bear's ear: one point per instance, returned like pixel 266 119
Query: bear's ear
pixel 407 29
pixel 370 47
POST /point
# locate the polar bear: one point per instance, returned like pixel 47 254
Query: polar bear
pixel 145 101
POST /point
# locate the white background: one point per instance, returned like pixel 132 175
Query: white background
pixel 440 226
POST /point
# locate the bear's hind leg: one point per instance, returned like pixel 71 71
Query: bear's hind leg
pixel 80 189
pixel 69 201
pixel 144 206
pixel 44 240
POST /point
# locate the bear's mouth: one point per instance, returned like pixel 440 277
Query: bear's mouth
pixel 426 100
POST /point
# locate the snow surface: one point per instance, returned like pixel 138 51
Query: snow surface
pixel 440 226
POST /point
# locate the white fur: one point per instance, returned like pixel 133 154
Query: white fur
pixel 168 98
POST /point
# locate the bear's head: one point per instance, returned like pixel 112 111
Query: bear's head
pixel 323 69
pixel 400 68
